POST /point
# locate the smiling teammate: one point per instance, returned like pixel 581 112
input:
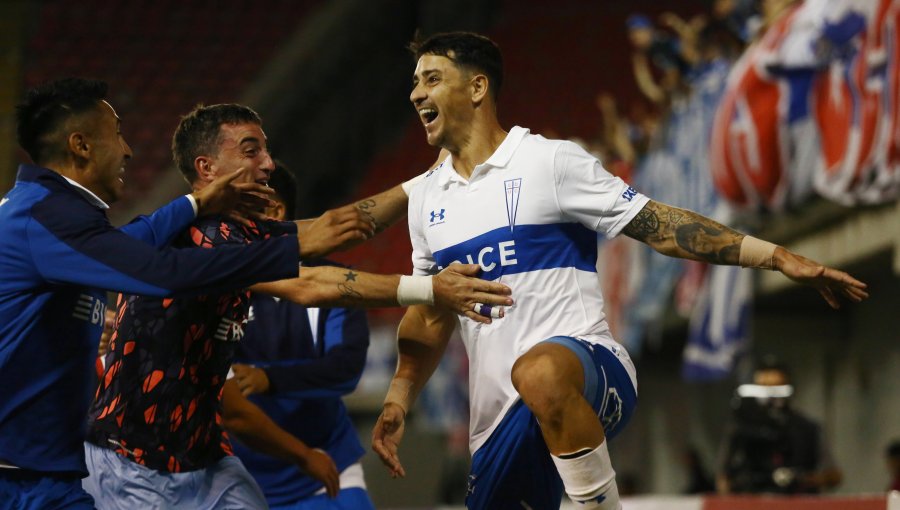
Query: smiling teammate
pixel 548 383
pixel 59 255
pixel 156 437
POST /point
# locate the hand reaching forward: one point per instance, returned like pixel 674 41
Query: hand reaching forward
pixel 456 288
pixel 243 201
pixel 830 283
pixel 336 229
pixel 320 466
pixel 386 437
pixel 250 379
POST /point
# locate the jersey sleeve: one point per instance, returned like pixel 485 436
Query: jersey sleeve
pixel 337 372
pixel 80 247
pixel 164 224
pixel 590 195
pixel 422 257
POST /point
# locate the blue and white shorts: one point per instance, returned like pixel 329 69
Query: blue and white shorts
pixel 513 469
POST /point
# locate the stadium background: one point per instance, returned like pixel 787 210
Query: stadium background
pixel 331 80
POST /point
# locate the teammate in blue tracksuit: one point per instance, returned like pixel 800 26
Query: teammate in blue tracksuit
pixel 58 256
pixel 296 363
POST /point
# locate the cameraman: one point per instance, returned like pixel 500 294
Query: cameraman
pixel 769 446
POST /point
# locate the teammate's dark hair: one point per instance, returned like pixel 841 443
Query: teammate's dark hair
pixel 199 133
pixel 467 50
pixel 771 363
pixel 46 109
pixel 285 186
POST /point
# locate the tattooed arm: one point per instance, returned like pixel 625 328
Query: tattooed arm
pixel 685 234
pixel 455 289
pixel 385 208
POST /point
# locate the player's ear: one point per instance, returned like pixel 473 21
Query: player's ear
pixel 203 167
pixel 78 146
pixel 479 86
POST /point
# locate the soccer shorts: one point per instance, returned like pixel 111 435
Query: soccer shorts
pixel 117 483
pixel 29 490
pixel 513 469
pixel 354 498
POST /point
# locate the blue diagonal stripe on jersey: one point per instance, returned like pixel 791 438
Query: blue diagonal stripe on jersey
pixel 535 247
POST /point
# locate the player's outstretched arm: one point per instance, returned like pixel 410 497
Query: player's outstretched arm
pixel 255 429
pixel 421 339
pixel 335 230
pixel 455 288
pixel 685 234
pixel 389 207
pixel 386 208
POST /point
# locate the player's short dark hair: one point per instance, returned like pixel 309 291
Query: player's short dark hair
pixel 467 50
pixel 285 186
pixel 46 109
pixel 199 133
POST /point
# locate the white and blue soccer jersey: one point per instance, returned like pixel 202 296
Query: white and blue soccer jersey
pixel 529 216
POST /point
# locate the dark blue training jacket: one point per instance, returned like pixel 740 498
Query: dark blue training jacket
pixel 58 256
pixel 310 366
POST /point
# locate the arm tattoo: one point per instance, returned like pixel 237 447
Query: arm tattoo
pixel 367 207
pixel 348 293
pixel 686 234
pixel 644 225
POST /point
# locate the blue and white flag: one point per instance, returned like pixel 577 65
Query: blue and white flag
pixel 719 328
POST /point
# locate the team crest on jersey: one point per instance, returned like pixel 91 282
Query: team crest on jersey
pixel 513 190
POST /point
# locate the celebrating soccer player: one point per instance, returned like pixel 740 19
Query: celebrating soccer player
pixel 548 383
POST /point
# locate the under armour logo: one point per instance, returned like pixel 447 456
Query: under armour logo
pixel 437 217
pixel 629 193
pixel 599 499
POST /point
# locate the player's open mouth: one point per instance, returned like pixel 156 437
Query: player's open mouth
pixel 428 115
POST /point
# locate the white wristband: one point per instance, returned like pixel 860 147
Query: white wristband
pixel 400 393
pixel 415 290
pixel 757 253
pixel 408 185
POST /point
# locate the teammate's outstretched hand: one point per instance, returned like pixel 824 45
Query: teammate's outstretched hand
pixel 243 201
pixel 250 379
pixel 457 288
pixel 830 283
pixel 336 229
pixel 319 465
pixel 386 437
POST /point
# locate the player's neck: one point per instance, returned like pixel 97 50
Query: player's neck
pixel 480 143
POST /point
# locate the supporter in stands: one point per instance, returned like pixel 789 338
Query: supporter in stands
pixel 155 436
pixel 664 52
pixel 892 456
pixel 771 447
pixel 59 252
pixel 548 384
pixel 296 363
